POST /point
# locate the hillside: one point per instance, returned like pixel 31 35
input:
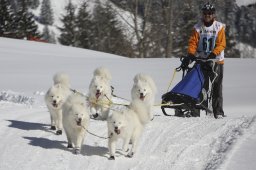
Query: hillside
pixel 166 143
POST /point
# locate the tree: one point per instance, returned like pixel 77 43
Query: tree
pixel 228 15
pixel 68 31
pixel 6 20
pixel 33 3
pixel 25 23
pixel 141 16
pixel 48 35
pixel 84 27
pixel 108 36
pixel 46 15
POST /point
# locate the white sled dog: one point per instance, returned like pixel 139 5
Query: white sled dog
pixel 127 125
pixel 144 88
pixel 54 99
pixel 100 93
pixel 75 121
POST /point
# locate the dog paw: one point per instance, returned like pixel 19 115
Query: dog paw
pixel 69 146
pixel 59 132
pixel 53 128
pixel 130 155
pixel 111 158
pixel 77 151
pixel 95 115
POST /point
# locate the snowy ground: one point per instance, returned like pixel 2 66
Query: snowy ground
pixel 26 70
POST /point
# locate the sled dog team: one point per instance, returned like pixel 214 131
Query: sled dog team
pixel 71 111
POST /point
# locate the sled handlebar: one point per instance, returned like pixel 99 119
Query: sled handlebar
pixel 204 59
pixel 196 59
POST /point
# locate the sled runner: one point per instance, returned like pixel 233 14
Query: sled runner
pixel 193 92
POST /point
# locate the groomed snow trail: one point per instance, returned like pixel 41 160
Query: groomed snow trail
pixel 167 142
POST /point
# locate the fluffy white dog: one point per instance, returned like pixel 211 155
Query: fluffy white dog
pixel 54 99
pixel 75 121
pixel 144 88
pixel 100 93
pixel 127 125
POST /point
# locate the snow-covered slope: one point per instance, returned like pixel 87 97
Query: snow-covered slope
pixel 58 8
pixel 167 142
pixel 245 2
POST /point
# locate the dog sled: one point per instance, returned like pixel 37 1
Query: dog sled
pixel 194 92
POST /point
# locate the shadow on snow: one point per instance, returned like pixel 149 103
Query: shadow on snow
pixel 46 143
pixel 28 125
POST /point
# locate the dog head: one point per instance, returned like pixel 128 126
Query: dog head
pixel 98 87
pixel 79 114
pixel 76 108
pixel 56 96
pixel 141 90
pixel 116 121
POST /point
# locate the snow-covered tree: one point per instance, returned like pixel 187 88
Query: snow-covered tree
pixel 46 15
pixel 108 36
pixel 48 35
pixel 6 19
pixel 33 3
pixel 84 27
pixel 68 31
pixel 25 23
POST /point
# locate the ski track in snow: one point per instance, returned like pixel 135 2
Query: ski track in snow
pixel 170 142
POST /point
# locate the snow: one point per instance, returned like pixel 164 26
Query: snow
pixel 173 143
pixel 245 2
pixel 246 50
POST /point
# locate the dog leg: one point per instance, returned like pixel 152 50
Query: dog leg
pixel 112 148
pixel 59 121
pixel 135 139
pixel 78 142
pixel 133 149
pixel 69 145
pixel 53 127
pixel 125 144
pixel 69 141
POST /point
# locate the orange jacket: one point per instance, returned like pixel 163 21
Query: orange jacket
pixel 220 43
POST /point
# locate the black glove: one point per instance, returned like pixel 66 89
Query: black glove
pixel 212 56
pixel 192 57
pixel 186 60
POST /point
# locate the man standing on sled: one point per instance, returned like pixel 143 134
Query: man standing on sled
pixel 208 40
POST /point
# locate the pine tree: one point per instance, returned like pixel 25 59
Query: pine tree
pixel 46 15
pixel 6 19
pixel 25 23
pixel 108 36
pixel 84 27
pixel 48 35
pixel 33 3
pixel 68 31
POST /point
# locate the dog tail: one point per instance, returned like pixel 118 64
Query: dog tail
pixel 61 78
pixel 141 109
pixel 103 72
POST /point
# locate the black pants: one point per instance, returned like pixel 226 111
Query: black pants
pixel 217 96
